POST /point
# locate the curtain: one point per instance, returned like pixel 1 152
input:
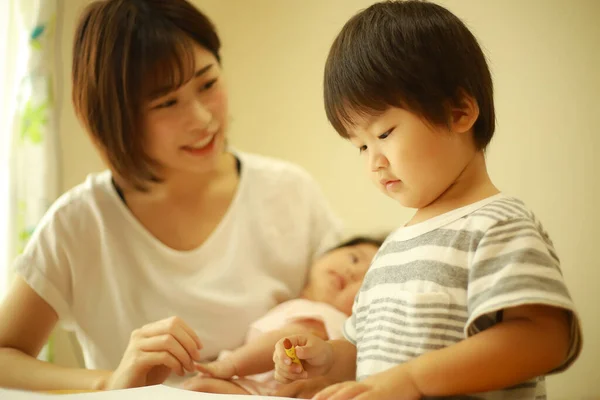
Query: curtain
pixel 30 58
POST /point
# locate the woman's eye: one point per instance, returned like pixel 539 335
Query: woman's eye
pixel 167 104
pixel 209 84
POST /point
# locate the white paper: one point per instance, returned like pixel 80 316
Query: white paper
pixel 159 392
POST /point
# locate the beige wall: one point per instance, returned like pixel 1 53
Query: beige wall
pixel 545 57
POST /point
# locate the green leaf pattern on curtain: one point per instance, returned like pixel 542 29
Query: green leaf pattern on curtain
pixel 34 162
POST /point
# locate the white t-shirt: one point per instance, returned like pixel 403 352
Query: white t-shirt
pixel 106 275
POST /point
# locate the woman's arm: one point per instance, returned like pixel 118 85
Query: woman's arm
pixel 154 351
pixel 27 323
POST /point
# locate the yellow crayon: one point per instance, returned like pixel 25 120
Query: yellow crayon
pixel 291 351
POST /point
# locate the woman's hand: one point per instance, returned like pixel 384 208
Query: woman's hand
pixel 154 351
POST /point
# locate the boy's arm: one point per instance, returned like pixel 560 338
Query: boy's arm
pixel 344 361
pixel 531 341
pixel 509 267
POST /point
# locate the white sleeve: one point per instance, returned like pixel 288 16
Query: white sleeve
pixel 44 265
pixel 349 328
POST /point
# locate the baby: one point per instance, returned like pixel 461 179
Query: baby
pixel 324 305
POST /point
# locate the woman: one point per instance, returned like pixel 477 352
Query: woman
pixel 166 258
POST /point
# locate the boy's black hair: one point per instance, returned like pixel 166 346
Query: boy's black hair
pixel 410 54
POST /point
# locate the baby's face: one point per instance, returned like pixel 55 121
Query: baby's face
pixel 336 277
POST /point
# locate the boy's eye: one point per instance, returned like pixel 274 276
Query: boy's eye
pixel 362 148
pixel 354 258
pixel 385 134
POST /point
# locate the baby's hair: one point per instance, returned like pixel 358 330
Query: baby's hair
pixel 356 240
pixel 409 54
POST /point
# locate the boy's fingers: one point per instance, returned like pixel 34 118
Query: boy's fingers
pixel 296 340
pixel 309 352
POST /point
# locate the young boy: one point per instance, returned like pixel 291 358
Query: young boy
pixel 325 303
pixel 467 299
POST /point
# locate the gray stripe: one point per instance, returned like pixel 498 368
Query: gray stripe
pixel 512 209
pixel 458 239
pixel 511 238
pixel 513 221
pixel 421 335
pixel 482 213
pixel 549 243
pixel 372 313
pixel 380 339
pixel 512 200
pixel 416 347
pixel 378 357
pixel 401 323
pixel 528 227
pixel 494 265
pixel 401 302
pixel 517 205
pixel 517 209
pixel 494 211
pixel 554 256
pixel 420 270
pixel 520 283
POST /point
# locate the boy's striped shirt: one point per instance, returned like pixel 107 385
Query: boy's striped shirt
pixel 433 284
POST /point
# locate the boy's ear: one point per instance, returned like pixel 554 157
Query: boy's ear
pixel 463 114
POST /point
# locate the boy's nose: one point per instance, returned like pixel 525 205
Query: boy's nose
pixel 378 161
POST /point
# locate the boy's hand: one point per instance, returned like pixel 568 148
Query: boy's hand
pixel 222 369
pixel 315 354
pixel 393 384
pixel 305 388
